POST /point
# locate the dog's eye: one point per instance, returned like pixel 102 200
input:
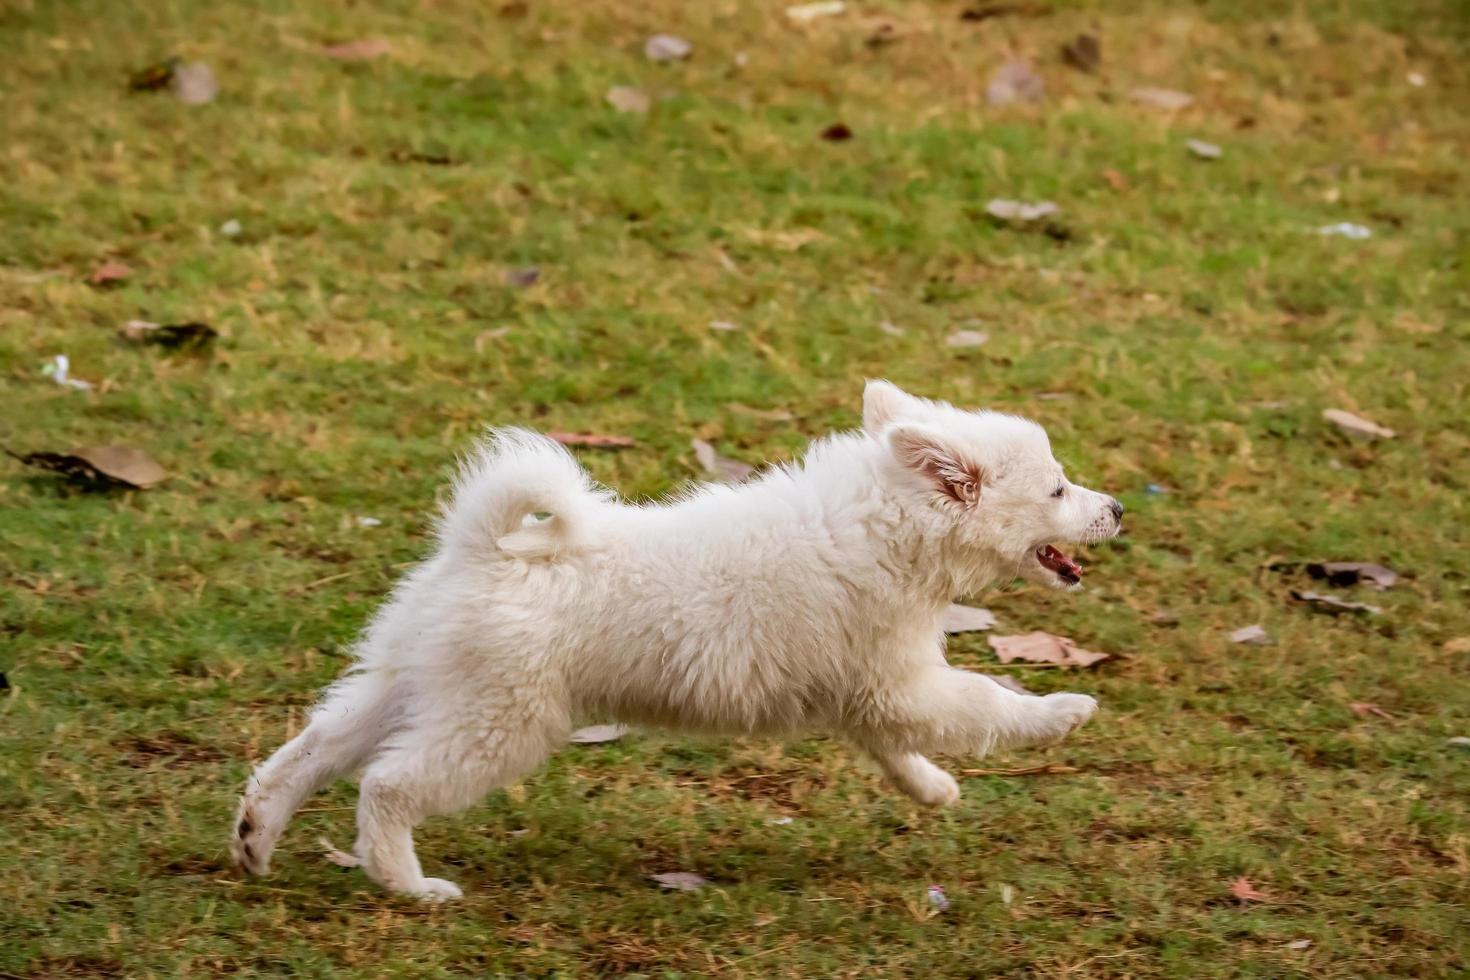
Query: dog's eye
pixel 1059 491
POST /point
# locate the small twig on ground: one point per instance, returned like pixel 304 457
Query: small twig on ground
pixel 1050 769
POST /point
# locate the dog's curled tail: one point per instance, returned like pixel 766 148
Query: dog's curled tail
pixel 516 474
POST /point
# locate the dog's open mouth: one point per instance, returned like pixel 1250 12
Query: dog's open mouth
pixel 1059 564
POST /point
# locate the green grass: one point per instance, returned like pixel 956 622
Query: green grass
pixel 1192 326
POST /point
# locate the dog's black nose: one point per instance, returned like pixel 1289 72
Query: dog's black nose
pixel 1117 510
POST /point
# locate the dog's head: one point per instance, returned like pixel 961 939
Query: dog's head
pixel 991 483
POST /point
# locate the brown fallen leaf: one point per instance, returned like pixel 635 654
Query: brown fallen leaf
pixel 1243 890
pixel 986 11
pixel 1044 648
pixel 966 619
pixel 1083 53
pixel 592 440
pixel 154 77
pixel 175 336
pixel 100 466
pixel 680 881
pixel 1364 709
pixel 1345 573
pixel 1332 604
pixel 1115 180
pixel 1050 769
pixel 1014 81
pixel 836 133
pixel 1460 644
pixel 363 50
pixel 1161 98
pixel 110 272
pixel 1356 426
pixel 723 468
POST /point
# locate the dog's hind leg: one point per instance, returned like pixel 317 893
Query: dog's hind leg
pixel 344 731
pixel 435 772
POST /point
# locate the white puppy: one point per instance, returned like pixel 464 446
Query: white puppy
pixel 808 598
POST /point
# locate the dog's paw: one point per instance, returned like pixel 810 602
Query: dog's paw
pixel 433 891
pixel 1066 712
pixel 250 847
pixel 934 788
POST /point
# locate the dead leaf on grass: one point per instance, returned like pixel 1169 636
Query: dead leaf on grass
pixel 1332 604
pixel 1365 709
pixel 175 336
pixel 836 133
pixel 680 881
pixel 1023 212
pixel 110 272
pixel 785 241
pixel 1161 98
pixel 1255 634
pixel 154 77
pixel 721 467
pixel 986 11
pixel 1203 150
pixel 1044 648
pixel 194 84
pixel 1345 573
pixel 1014 81
pixel 598 734
pixel 523 277
pixel 592 440
pixel 1356 426
pixel 1460 644
pixel 1242 889
pixel 100 466
pixel 625 98
pixel 363 50
pixel 1083 53
pixel 1115 180
pixel 805 13
pixel 666 47
pixel 966 619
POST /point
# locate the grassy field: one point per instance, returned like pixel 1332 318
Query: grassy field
pixel 1182 318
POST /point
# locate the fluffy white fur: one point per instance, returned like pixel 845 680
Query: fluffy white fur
pixel 807 599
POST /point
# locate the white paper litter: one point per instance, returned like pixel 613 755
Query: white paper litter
pixel 1347 230
pixel 59 370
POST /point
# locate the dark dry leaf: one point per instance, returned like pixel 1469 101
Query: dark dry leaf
pixel 110 272
pixel 523 277
pixel 1345 573
pixel 836 133
pixel 194 83
pixel 1014 81
pixel 592 440
pixel 1332 604
pixel 515 9
pixel 1083 53
pixel 358 50
pixel 154 77
pixel 174 336
pixel 680 881
pixel 883 34
pixel 721 467
pixel 1044 648
pixel 985 11
pixel 432 159
pixel 100 466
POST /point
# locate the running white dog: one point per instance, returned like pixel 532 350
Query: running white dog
pixel 808 598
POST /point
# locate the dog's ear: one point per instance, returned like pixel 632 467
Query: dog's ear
pixel 885 403
pixel 927 454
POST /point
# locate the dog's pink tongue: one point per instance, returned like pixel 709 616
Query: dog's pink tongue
pixel 1060 563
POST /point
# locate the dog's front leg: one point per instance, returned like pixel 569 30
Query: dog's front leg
pixel 941 709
